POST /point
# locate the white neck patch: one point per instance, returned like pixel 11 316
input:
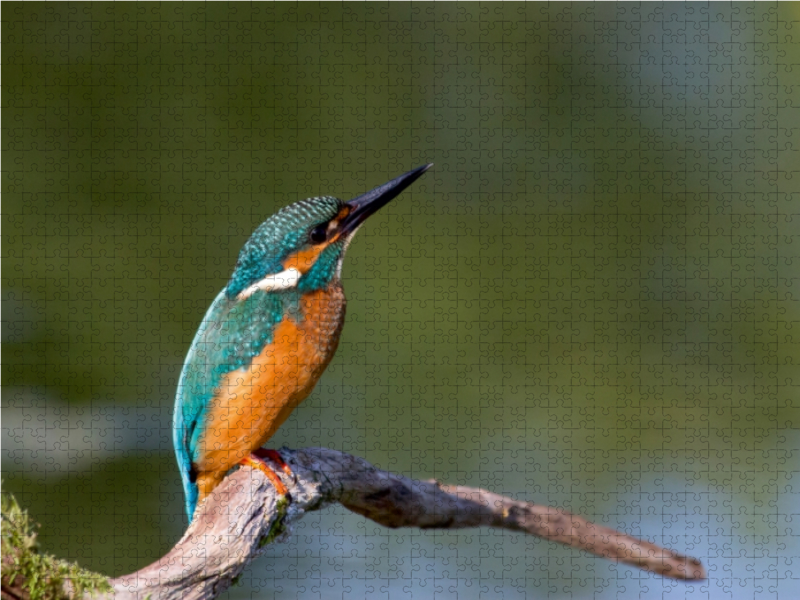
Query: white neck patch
pixel 285 280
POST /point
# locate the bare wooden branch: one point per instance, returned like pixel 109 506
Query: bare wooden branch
pixel 244 514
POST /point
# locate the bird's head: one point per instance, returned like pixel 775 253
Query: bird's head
pixel 302 246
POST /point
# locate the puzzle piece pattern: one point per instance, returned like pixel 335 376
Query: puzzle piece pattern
pixel 590 302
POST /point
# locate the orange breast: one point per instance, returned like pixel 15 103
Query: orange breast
pixel 252 402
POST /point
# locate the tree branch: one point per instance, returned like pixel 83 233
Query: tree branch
pixel 244 514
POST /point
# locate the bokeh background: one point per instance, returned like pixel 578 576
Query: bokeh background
pixel 591 301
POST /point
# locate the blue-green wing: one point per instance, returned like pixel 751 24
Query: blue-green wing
pixel 232 333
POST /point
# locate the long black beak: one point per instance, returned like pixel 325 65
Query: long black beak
pixel 369 203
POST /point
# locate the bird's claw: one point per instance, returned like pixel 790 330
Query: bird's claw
pixel 257 460
pixel 275 457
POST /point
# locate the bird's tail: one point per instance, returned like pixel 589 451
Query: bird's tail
pixel 188 476
pixel 190 492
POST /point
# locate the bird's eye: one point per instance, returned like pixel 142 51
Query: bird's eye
pixel 319 234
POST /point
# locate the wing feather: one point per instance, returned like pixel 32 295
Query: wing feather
pixel 231 334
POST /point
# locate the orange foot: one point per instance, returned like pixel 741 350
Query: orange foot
pixel 275 457
pixel 258 460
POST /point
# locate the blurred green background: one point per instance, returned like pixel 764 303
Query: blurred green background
pixel 590 301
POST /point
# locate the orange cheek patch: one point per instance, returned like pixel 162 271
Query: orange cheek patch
pixel 305 259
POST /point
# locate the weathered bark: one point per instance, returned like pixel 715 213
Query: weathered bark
pixel 244 514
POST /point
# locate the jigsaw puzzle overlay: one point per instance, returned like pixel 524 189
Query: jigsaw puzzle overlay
pixel 590 301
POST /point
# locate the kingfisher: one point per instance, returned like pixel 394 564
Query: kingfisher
pixel 267 337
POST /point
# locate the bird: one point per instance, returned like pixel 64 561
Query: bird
pixel 266 338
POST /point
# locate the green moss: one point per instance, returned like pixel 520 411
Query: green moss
pixel 45 576
pixel 278 526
